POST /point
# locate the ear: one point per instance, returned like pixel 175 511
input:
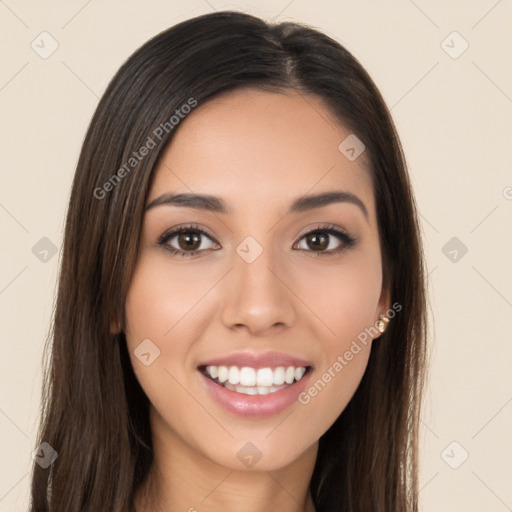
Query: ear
pixel 384 302
pixel 382 307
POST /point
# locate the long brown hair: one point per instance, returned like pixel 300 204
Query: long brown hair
pixel 94 412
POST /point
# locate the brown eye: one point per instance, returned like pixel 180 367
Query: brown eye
pixel 322 241
pixel 189 240
pixel 317 241
pixel 186 241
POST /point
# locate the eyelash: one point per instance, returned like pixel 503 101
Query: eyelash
pixel 347 240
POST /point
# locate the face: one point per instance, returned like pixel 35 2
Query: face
pixel 250 286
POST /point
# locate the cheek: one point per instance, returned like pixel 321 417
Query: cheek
pixel 165 304
pixel 346 302
pixel 152 316
pixel 160 299
pixel 345 299
pixel 160 308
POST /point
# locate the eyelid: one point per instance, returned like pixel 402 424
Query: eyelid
pixel 176 230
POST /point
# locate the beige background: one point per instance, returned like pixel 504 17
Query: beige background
pixel 454 118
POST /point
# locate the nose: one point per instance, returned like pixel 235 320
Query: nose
pixel 258 296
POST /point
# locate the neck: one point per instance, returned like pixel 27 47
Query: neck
pixel 181 478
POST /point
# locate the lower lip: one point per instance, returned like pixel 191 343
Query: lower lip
pixel 255 406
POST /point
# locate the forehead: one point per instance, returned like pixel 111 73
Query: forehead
pixel 255 147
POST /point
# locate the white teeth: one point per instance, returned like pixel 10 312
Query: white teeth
pixel 229 386
pixel 213 371
pixel 251 381
pixel 247 376
pixel 234 375
pixel 265 377
pixel 263 390
pixel 299 372
pixel 279 376
pixel 246 390
pixel 222 373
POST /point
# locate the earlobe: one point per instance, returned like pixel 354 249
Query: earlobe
pixel 384 305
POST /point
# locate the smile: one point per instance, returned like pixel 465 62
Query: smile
pixel 254 381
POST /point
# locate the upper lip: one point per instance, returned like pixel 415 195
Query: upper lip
pixel 256 360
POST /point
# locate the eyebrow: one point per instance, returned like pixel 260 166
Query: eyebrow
pixel 215 204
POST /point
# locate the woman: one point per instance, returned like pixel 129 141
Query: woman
pixel 240 320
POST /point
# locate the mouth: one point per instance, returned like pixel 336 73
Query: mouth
pixel 248 380
pixel 255 385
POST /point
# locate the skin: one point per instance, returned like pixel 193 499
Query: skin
pixel 258 151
